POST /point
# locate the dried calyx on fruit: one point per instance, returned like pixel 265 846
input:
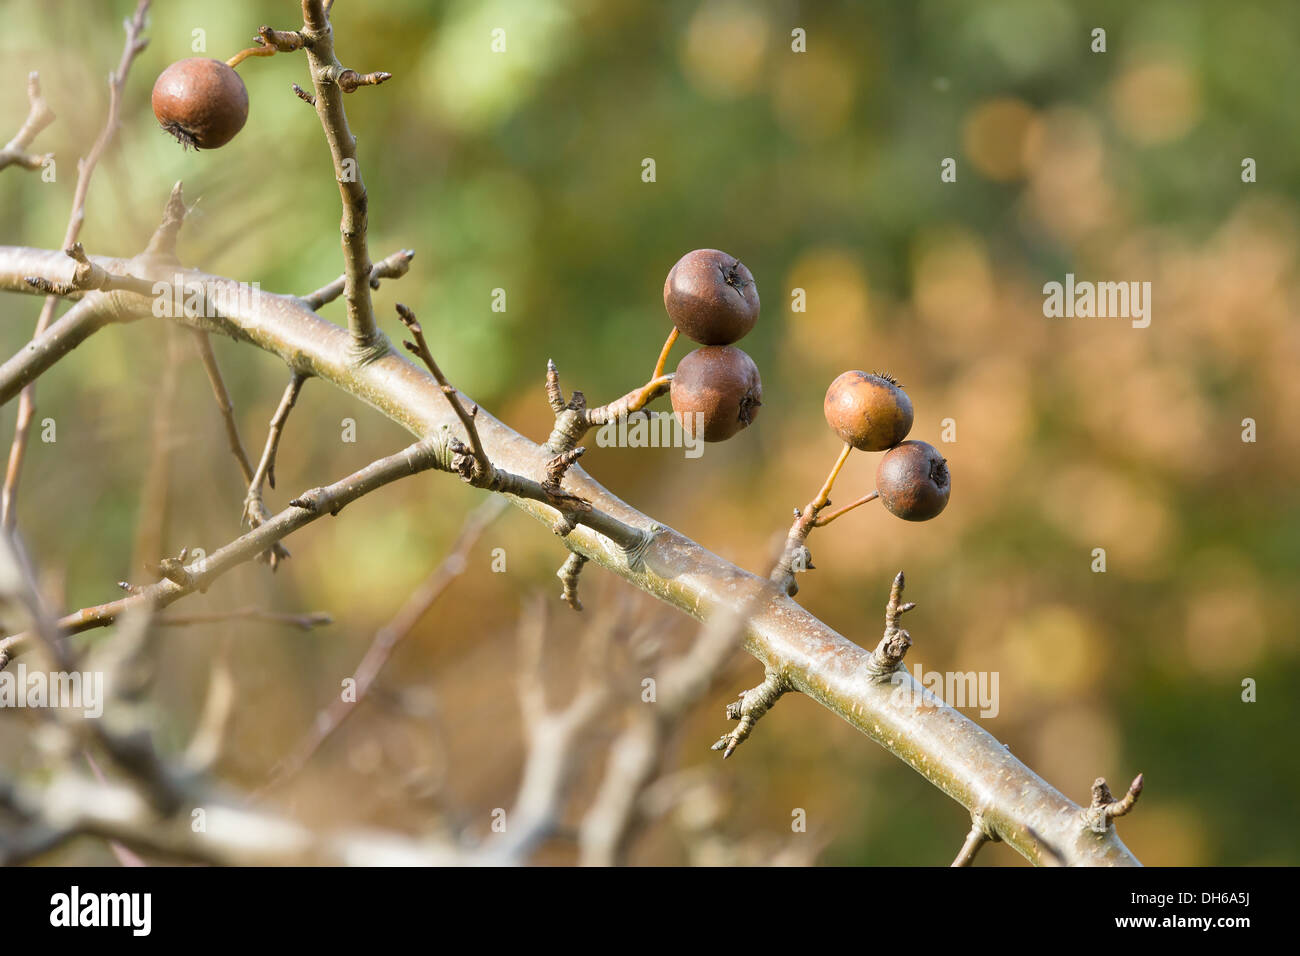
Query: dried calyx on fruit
pixel 201 102
pixel 913 481
pixel 869 411
pixel 716 392
pixel 711 297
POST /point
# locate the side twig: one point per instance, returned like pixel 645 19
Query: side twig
pixel 14 153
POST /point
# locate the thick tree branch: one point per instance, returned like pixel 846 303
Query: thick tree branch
pixel 947 748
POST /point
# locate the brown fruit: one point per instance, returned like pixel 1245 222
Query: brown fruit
pixel 868 411
pixel 716 388
pixel 202 102
pixel 913 481
pixel 711 297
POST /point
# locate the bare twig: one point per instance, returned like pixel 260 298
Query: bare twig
pixel 254 508
pixel 482 466
pixel 393 267
pixel 182 579
pixel 39 116
pixel 224 405
pixel 303 622
pixel 326 73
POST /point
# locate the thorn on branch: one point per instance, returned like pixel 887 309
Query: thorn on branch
pixel 173 569
pixel 889 653
pixel 87 277
pixel 350 81
pixel 554 396
pixel 555 471
pixel 1106 808
pixel 748 708
pixel 284 41
pixel 303 95
pixel 163 241
pixel 568 575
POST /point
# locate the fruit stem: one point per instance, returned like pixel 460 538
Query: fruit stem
pixel 823 497
pixel 648 392
pixel 827 519
pixel 663 356
pixel 242 55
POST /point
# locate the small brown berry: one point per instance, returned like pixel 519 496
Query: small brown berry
pixel 716 388
pixel 202 102
pixel 913 481
pixel 711 297
pixel 868 411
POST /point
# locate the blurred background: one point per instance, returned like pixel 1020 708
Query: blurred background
pixel 522 171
